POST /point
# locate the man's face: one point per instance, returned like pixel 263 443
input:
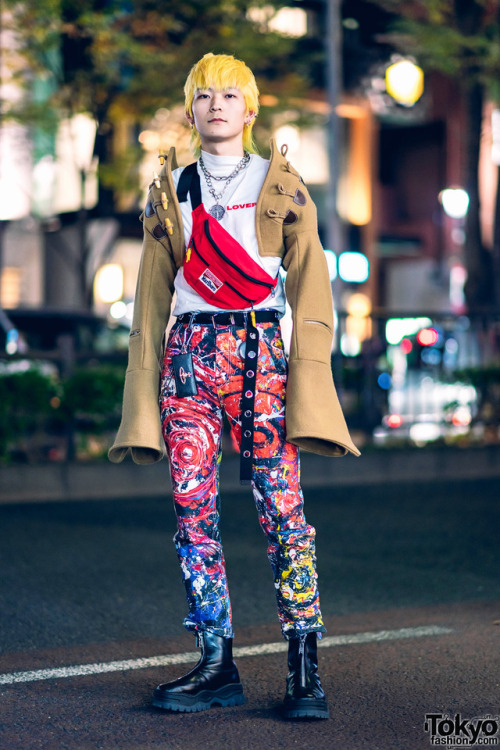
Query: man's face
pixel 220 117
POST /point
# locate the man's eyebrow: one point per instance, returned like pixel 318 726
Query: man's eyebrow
pixel 211 88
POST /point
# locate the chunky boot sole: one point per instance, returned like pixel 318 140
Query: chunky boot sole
pixel 228 695
pixel 306 708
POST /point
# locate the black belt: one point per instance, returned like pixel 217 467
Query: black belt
pixel 229 318
pixel 248 321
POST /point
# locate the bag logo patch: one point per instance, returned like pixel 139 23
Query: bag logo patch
pixel 210 280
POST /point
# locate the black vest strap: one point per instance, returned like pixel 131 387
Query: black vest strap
pixel 189 183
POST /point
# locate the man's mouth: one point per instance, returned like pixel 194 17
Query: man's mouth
pixel 217 119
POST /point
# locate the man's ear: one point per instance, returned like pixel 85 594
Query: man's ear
pixel 250 116
pixel 189 118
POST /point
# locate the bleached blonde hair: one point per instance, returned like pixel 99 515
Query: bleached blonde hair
pixel 222 72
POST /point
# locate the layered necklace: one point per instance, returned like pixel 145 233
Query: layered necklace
pixel 218 211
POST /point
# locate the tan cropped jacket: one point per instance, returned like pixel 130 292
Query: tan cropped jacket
pixel 286 227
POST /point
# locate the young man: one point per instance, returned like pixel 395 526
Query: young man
pixel 217 233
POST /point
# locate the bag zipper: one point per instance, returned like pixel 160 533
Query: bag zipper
pixel 230 262
pixel 193 245
pixel 250 301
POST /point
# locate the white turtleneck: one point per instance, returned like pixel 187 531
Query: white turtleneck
pixel 239 199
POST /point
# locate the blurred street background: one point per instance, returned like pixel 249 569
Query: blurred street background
pixel 391 113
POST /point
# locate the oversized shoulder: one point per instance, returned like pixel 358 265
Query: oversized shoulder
pixel 161 217
pixel 286 200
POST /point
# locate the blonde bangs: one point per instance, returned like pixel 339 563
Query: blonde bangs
pixel 222 72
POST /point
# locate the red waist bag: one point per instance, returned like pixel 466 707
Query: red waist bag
pixel 220 269
pixel 216 265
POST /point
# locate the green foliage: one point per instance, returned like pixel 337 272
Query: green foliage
pixel 25 405
pixel 121 173
pixel 136 60
pixel 92 396
pixel 37 409
pixel 122 62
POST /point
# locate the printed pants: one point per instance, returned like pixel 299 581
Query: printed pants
pixel 192 429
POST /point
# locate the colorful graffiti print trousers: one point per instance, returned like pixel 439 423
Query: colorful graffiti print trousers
pixel 192 429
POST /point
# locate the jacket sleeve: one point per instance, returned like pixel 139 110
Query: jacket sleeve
pixel 140 428
pixel 314 417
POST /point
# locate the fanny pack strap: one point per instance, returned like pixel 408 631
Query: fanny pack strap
pixel 189 184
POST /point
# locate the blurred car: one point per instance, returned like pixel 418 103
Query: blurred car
pixel 423 410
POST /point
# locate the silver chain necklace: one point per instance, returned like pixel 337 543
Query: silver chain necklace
pixel 218 211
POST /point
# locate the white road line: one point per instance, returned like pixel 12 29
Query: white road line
pixel 83 670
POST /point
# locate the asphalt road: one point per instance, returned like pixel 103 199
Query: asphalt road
pixel 97 582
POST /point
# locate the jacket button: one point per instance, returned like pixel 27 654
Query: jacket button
pixel 290 218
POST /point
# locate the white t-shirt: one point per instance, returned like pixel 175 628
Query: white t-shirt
pixel 239 199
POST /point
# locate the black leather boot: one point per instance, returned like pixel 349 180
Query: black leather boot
pixel 304 698
pixel 214 681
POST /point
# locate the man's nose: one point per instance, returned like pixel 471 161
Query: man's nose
pixel 216 102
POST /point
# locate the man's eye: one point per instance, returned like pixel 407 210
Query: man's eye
pixel 230 96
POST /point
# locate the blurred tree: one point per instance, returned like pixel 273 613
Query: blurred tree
pixel 124 59
pixel 461 38
pixel 25 407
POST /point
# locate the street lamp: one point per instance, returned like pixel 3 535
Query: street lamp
pixel 83 131
pixel 455 202
pixel 404 81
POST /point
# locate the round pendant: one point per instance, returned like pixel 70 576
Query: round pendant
pixel 217 211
